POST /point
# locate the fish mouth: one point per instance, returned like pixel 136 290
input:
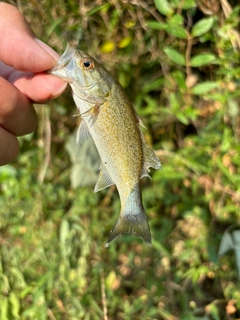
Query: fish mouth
pixel 66 60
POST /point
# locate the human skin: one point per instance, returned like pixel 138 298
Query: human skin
pixel 23 81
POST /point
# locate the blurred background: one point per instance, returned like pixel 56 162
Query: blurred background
pixel 178 61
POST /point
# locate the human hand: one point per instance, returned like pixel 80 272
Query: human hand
pixel 23 60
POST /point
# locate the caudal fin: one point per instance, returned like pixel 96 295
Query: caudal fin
pixel 127 224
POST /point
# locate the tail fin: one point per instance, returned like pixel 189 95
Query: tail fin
pixel 135 224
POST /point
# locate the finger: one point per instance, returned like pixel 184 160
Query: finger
pixel 9 147
pixel 37 87
pixel 17 115
pixel 19 48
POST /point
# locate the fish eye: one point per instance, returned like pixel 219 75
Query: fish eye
pixel 87 64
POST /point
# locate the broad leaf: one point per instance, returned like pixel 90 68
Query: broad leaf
pixel 163 7
pixel 176 31
pixel 204 87
pixel 202 59
pixel 155 25
pixel 202 26
pixel 175 56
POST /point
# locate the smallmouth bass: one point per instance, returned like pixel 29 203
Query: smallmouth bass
pixel 110 119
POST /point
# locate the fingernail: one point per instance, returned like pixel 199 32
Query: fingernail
pixel 49 50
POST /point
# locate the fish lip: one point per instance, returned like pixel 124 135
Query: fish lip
pixel 59 70
pixel 65 57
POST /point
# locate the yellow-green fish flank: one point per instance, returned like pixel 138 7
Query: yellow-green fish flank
pixel 110 119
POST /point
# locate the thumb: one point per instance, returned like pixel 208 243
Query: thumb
pixel 19 47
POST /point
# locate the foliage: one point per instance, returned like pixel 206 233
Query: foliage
pixel 179 62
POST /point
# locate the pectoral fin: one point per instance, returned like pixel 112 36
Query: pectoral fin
pixel 92 113
pixel 104 179
pixel 82 134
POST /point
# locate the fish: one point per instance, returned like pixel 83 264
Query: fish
pixel 109 118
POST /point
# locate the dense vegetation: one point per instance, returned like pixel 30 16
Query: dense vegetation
pixel 179 62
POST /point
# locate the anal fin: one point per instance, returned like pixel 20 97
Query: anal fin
pixel 104 179
pixel 150 160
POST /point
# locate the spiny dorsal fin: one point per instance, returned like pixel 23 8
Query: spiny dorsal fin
pixel 140 121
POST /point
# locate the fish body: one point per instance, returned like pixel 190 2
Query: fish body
pixel 110 119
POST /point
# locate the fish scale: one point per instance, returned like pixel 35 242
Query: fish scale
pixel 123 168
pixel 110 119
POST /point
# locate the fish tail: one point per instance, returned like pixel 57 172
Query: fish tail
pixel 131 224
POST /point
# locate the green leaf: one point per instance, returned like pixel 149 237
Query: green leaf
pixel 15 305
pixel 213 311
pixel 53 26
pixel 202 26
pixel 204 87
pixel 160 248
pixel 169 174
pixel 175 56
pixel 181 117
pixel 7 172
pixel 103 7
pixel 233 109
pixel 153 85
pixel 63 236
pixel 163 7
pixel 202 59
pixel 177 19
pixel 176 31
pixel 4 308
pixel 155 25
pixel 180 79
pixel 189 4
